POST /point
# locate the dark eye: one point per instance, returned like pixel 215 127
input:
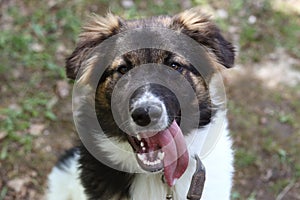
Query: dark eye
pixel 178 67
pixel 123 69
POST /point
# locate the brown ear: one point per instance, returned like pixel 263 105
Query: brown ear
pixel 93 33
pixel 199 27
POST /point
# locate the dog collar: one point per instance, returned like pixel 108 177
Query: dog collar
pixel 197 182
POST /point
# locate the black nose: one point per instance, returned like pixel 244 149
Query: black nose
pixel 144 115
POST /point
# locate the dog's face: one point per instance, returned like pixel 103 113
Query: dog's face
pixel 154 110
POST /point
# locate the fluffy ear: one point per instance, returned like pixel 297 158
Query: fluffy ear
pixel 199 27
pixel 93 33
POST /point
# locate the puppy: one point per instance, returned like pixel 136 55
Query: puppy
pixel 149 153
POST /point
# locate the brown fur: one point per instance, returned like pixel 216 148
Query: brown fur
pixel 93 33
pixel 191 22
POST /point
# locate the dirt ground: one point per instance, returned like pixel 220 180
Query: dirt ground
pixel 263 90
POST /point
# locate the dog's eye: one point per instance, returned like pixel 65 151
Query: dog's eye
pixel 123 69
pixel 178 67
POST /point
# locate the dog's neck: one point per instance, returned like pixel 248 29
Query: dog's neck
pixel 151 186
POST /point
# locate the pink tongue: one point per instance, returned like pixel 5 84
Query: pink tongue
pixel 176 155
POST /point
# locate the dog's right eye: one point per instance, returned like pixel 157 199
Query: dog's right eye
pixel 123 69
pixel 178 67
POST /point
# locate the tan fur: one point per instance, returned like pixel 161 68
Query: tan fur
pixel 88 69
pixel 99 26
pixel 93 33
pixel 193 19
pixel 102 90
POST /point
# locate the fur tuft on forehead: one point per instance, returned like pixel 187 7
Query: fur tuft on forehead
pixel 93 33
pixel 99 26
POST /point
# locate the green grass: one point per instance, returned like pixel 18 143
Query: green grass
pixel 31 46
pixel 146 8
pixel 245 158
pixel 273 145
pixel 235 195
pixel 3 192
pixel 279 185
pixel 271 30
pixel 17 121
pixel 276 30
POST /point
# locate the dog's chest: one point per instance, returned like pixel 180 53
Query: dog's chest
pixel 151 186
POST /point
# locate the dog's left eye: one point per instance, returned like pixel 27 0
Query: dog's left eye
pixel 123 69
pixel 178 67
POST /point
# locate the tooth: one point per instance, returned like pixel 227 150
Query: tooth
pixel 138 137
pixel 161 155
pixel 144 161
pixel 142 144
pixel 140 156
pixel 144 148
pixel 174 181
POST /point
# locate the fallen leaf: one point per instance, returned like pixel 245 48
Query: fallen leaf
pixel 36 129
pixel 62 89
pixel 18 183
pixel 36 47
pixel 15 107
pixel 3 135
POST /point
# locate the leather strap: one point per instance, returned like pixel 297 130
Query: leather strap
pixel 198 180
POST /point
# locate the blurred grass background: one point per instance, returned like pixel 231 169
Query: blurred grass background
pixel 263 91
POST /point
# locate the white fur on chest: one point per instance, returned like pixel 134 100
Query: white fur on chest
pixel 218 164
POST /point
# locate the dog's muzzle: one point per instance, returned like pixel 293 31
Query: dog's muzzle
pixel 156 137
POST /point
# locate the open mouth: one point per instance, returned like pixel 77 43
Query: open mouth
pixel 148 152
pixel 165 150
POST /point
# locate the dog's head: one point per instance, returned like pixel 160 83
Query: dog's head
pixel 154 110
